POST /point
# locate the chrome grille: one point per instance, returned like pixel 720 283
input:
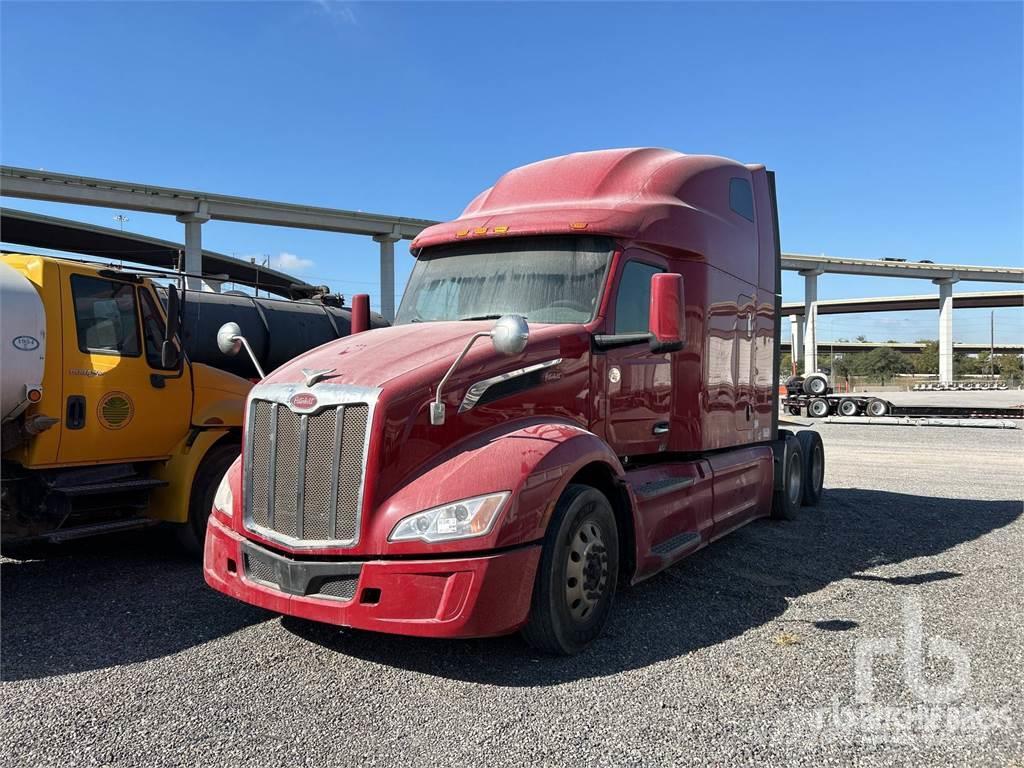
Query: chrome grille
pixel 305 471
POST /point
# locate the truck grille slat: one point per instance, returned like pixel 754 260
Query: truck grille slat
pixel 306 471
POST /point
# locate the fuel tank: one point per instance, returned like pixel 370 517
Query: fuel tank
pixel 278 330
pixel 23 329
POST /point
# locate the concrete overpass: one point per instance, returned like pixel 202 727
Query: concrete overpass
pixel 39 231
pixel 193 209
pixel 911 348
pixel 943 275
pixel 985 299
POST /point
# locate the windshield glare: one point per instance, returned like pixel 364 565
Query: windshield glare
pixel 547 279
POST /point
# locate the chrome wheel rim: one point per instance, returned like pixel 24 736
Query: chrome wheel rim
pixel 586 572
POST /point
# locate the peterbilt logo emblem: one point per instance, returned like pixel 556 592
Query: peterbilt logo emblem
pixel 303 401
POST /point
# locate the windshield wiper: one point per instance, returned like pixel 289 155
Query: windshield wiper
pixel 491 316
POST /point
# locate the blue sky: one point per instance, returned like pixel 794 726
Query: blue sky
pixel 895 129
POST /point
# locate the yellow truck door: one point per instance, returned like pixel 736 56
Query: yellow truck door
pixel 119 404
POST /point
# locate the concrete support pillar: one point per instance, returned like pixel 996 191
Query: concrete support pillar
pixel 387 274
pixel 796 340
pixel 946 328
pixel 194 247
pixel 810 319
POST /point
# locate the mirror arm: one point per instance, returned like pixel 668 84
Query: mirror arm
pixel 252 355
pixel 437 407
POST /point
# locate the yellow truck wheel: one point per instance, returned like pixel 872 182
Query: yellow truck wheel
pixel 192 534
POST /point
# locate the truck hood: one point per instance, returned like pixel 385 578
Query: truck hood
pixel 374 358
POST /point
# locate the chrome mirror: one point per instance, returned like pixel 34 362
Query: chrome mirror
pixel 510 334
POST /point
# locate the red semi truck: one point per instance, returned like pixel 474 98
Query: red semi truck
pixel 418 480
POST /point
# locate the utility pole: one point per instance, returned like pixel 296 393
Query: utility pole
pixel 121 219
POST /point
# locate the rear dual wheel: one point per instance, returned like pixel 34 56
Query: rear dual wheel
pixel 801 476
pixel 577 574
pixel 818 408
pixel 847 407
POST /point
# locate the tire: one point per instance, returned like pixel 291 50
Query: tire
pixel 192 534
pixel 789 490
pixel 876 407
pixel 818 408
pixel 847 407
pixel 816 384
pixel 581 549
pixel 813 451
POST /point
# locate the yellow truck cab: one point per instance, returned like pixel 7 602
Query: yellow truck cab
pixel 102 429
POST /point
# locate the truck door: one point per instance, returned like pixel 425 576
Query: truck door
pixel 637 383
pixel 746 323
pixel 119 403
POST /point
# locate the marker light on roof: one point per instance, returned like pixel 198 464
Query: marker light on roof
pixel 480 231
pixel 578 225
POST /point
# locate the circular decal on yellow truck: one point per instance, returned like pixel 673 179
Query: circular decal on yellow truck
pixel 115 410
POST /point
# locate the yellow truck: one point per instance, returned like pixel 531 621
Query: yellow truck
pixel 113 416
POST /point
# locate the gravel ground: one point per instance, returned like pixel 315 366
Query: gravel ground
pixel 115 653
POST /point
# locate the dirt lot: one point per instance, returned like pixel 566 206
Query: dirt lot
pixel 115 653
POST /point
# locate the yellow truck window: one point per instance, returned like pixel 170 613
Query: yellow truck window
pixel 106 316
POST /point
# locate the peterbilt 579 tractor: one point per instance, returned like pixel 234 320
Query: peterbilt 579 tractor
pixel 579 390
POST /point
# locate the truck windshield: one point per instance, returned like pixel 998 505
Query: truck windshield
pixel 547 279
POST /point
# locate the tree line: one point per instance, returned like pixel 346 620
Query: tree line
pixel 883 364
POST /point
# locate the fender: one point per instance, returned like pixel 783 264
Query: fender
pixel 218 397
pixel 533 459
pixel 170 503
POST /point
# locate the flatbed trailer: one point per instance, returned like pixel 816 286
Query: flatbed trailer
pixel 831 404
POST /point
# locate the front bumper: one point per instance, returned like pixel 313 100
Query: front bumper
pixel 460 597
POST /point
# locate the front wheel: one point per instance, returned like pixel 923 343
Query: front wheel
pixel 577 574
pixel 192 534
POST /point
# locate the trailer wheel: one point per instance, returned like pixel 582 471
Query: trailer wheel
pixel 876 407
pixel 815 384
pixel 818 408
pixel 577 573
pixel 789 489
pixel 813 451
pixel 847 407
pixel 192 534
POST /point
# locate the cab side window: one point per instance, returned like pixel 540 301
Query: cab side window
pixel 152 329
pixel 632 305
pixel 105 316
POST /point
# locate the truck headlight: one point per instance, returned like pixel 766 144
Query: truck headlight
pixel 458 520
pixel 223 500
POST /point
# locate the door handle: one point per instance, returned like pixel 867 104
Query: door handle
pixel 660 428
pixel 75 412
